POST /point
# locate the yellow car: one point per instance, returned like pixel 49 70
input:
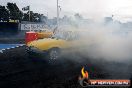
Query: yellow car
pixel 42 35
pixel 53 47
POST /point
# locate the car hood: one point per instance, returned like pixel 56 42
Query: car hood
pixel 40 42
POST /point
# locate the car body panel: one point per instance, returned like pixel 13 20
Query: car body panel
pixel 48 43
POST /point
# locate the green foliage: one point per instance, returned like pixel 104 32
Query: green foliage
pixel 34 17
pixel 12 12
pixel 4 14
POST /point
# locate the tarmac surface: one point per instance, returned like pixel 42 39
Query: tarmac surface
pixel 17 70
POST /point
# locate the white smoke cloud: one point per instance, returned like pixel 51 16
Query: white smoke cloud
pixel 109 42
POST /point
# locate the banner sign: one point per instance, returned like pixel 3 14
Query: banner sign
pixel 32 26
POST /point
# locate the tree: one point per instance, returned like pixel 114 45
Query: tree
pixel 14 12
pixel 4 14
pixel 34 17
pixel 25 17
pixel 11 11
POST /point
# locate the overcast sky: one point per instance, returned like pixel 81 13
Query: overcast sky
pixel 94 9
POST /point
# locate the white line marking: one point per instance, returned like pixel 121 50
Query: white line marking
pixel 1 51
pixel 12 47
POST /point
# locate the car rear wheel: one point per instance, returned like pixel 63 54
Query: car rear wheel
pixel 53 54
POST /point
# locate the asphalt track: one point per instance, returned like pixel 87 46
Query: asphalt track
pixel 17 70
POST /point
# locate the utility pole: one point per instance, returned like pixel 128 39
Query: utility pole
pixel 29 17
pixel 29 14
pixel 57 14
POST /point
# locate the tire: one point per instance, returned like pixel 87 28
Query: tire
pixel 53 54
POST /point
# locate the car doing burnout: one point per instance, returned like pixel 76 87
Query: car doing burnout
pixel 53 47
